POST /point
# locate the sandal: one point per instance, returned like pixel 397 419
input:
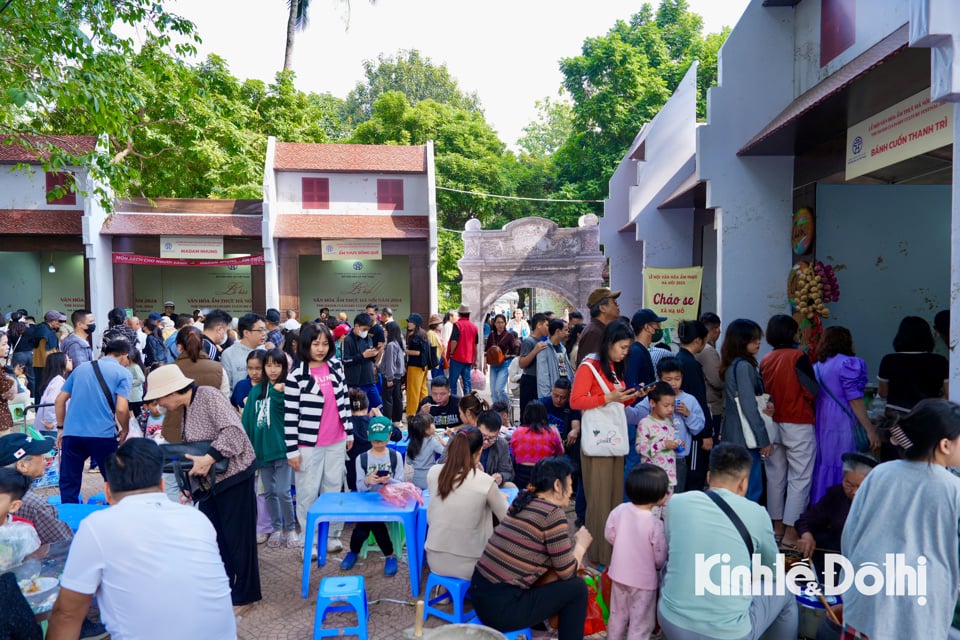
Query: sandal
pixel 293 540
pixel 273 542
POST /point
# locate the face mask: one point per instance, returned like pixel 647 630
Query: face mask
pixel 91 328
pixel 657 335
pixel 223 340
pixel 363 334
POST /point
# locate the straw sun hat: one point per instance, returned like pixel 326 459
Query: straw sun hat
pixel 164 381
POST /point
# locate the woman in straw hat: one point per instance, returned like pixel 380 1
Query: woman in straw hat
pixel 232 508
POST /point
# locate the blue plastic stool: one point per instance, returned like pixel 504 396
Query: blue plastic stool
pixel 456 592
pixel 97 498
pixel 348 589
pixel 510 635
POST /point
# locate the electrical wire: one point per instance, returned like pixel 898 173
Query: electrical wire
pixel 493 195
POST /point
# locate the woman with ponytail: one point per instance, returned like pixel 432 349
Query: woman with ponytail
pixel 464 501
pixel 197 366
pixel 532 540
pixel 910 507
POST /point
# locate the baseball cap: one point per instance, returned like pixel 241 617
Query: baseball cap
pixel 643 316
pixel 340 331
pixel 379 429
pixel 17 445
pixel 53 316
pixel 169 303
pixel 273 316
pixel 599 294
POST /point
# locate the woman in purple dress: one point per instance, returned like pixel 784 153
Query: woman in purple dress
pixel 842 377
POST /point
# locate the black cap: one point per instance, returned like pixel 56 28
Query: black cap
pixel 17 445
pixel 645 316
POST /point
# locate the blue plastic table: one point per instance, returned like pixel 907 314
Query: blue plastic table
pixel 72 514
pixel 400 447
pixel 358 507
pixel 509 493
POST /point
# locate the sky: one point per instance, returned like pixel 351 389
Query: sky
pixel 505 50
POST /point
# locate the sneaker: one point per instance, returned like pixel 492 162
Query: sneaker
pixel 90 630
pixel 334 545
pixel 273 542
pixel 292 540
pixel 262 537
pixel 390 566
pixel 348 561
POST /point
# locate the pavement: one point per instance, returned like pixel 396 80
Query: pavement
pixel 284 615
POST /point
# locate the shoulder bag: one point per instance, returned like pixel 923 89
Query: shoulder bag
pixel 749 439
pixel 107 395
pixel 176 462
pixel 603 430
pixel 860 439
pixel 734 518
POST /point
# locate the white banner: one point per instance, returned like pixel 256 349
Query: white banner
pixel 192 247
pixel 353 249
pixel 907 129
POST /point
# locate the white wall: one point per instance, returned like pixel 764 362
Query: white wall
pixel 751 195
pixel 27 189
pixel 353 193
pixel 875 20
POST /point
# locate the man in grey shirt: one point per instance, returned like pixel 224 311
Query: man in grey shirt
pixel 253 334
pixel 77 344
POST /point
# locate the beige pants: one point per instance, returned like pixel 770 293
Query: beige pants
pixel 322 470
pixel 603 486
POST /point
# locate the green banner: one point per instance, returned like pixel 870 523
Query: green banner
pixel 350 285
pixel 190 288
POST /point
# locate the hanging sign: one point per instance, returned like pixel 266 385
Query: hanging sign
pixel 907 129
pixel 355 249
pixel 131 258
pixel 192 247
pixel 672 293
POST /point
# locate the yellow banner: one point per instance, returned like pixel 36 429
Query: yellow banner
pixel 672 293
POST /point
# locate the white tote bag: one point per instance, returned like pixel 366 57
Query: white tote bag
pixel 773 433
pixel 603 431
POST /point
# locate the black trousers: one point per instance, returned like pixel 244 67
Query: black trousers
pixel 393 400
pixel 233 513
pixel 528 391
pixel 362 530
pixel 508 608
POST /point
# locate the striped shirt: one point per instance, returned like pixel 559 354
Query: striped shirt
pixel 524 546
pixel 304 405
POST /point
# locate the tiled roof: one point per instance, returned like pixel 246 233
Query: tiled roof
pixel 144 224
pixel 42 221
pixel 190 205
pixel 307 225
pixel 15 149
pixel 300 156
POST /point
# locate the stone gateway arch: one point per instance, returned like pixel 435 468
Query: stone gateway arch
pixel 530 252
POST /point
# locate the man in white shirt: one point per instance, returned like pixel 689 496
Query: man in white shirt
pixel 153 565
pixel 291 323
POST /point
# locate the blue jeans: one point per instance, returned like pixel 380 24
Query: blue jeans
pixel 277 476
pixel 374 401
pixel 632 457
pixel 755 488
pixel 498 382
pixel 460 370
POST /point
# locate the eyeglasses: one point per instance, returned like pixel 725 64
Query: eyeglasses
pixel 257 330
pixel 490 438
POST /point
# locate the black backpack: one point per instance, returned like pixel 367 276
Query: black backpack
pixel 433 355
pixel 394 462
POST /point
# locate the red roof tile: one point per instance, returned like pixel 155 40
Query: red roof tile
pixel 42 221
pixel 15 149
pixel 141 224
pixel 301 156
pixel 190 205
pixel 307 225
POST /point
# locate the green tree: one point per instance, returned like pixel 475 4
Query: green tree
pixel 620 81
pixel 417 77
pixel 553 125
pixel 69 55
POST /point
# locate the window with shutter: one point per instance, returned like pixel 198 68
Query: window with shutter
pixel 389 195
pixel 315 193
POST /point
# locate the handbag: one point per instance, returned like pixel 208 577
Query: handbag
pixel 176 462
pixel 494 356
pixel 749 438
pixel 603 430
pixel 860 439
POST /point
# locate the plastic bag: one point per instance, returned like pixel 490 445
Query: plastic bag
pixel 17 540
pixel 595 618
pixel 478 380
pixel 401 493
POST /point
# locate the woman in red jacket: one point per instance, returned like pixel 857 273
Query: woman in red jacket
pixel 789 379
pixel 603 476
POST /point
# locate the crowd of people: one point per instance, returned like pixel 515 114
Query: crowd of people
pixel 665 450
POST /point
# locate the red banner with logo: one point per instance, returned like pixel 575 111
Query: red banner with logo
pixel 131 258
